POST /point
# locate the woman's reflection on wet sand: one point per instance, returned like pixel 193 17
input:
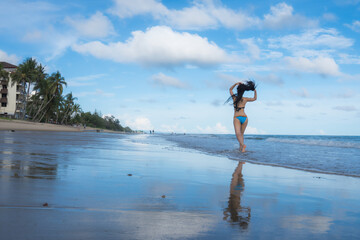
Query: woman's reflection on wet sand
pixel 235 213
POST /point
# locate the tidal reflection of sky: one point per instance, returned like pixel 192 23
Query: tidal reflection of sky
pixel 84 178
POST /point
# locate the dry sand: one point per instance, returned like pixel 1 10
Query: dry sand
pixel 19 125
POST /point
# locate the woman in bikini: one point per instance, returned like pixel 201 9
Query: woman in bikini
pixel 240 118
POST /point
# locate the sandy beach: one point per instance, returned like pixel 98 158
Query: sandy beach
pixel 19 125
pixel 65 185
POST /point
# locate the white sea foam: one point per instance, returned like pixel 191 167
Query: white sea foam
pixel 328 154
pixel 315 142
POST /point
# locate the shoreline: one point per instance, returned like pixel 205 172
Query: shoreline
pixel 328 155
pixel 298 169
pixel 21 125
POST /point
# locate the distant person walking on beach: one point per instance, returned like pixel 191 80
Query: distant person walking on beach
pixel 239 102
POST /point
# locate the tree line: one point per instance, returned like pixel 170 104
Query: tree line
pixel 47 103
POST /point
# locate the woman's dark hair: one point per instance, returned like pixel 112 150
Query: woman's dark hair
pixel 242 87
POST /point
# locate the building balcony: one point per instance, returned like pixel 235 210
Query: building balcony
pixel 4 90
pixel 3 100
pixel 20 97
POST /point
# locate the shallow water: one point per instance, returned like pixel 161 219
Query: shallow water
pixel 326 154
pixel 171 193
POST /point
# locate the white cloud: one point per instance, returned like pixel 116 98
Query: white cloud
pixel 163 81
pixel 216 102
pixel 248 68
pixel 232 19
pixel 158 46
pixel 270 78
pixel 35 22
pixel 226 81
pixel 209 14
pixel 201 15
pixel 58 43
pixel 126 8
pixel 97 26
pixel 314 51
pixel 355 26
pixel 252 130
pixel 303 92
pixel 348 59
pixel 22 16
pixel 96 93
pixel 269 54
pixel 109 115
pixel 304 105
pixel 140 123
pixel 194 18
pixel 53 42
pixel 12 58
pixel 312 39
pixel 349 93
pixel 33 36
pixel 349 77
pixel 218 129
pixel 175 128
pixel 230 79
pixel 322 132
pixel 84 80
pixel 274 103
pixel 251 47
pixel 329 17
pixel 42 23
pixel 347 108
pixel 281 16
pixel 324 66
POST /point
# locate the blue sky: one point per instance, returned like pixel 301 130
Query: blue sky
pixel 168 65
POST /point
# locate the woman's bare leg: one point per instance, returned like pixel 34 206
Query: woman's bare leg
pixel 237 127
pixel 242 131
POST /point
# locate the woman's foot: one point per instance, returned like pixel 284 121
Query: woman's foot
pixel 243 148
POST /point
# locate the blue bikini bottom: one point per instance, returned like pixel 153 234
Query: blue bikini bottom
pixel 241 119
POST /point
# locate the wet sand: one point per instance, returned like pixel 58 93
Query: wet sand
pixel 108 186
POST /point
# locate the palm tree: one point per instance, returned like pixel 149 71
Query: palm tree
pixel 26 74
pixel 4 75
pixel 76 113
pixel 76 109
pixel 68 106
pixel 54 92
pixel 41 97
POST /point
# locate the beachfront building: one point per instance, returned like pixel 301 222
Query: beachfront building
pixel 12 96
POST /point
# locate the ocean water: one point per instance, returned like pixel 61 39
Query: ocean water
pixel 325 154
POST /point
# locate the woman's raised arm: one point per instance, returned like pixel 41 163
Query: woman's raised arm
pixel 232 87
pixel 254 98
